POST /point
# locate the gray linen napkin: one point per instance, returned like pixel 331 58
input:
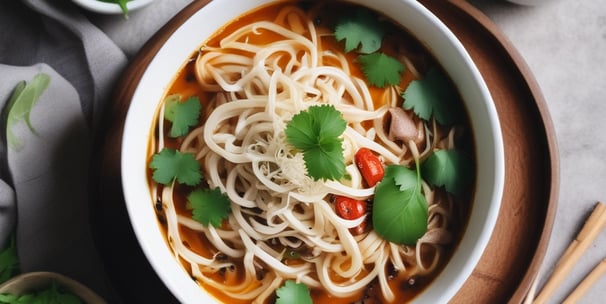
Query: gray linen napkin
pixel 43 187
pixel 46 173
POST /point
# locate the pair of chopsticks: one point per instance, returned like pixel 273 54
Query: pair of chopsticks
pixel 593 226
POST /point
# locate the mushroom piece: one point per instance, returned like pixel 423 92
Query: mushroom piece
pixel 403 127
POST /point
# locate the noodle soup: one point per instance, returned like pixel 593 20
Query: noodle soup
pixel 294 153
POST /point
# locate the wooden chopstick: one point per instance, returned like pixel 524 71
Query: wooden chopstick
pixel 586 284
pixel 592 228
pixel 532 291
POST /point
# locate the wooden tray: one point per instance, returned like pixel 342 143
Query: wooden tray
pixel 517 247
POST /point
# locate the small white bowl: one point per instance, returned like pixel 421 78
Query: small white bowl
pixel 35 281
pixel 446 48
pixel 111 8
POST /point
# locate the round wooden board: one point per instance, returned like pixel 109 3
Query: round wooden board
pixel 517 247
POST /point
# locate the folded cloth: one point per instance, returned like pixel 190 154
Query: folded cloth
pixel 46 172
pixel 44 183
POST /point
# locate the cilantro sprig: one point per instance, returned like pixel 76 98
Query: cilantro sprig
pixel 50 295
pixel 122 4
pixel 9 262
pixel 400 210
pixel 293 293
pixel 380 69
pixel 361 31
pixel 430 95
pixel 182 115
pixel 170 164
pixel 451 169
pixel 209 206
pixel 316 132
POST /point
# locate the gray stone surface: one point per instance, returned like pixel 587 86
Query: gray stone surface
pixel 564 44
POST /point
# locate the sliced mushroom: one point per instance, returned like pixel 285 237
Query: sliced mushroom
pixel 403 127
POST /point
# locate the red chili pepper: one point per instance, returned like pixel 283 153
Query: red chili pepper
pixel 351 209
pixel 370 166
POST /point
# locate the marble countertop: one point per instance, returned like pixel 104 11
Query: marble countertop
pixel 564 44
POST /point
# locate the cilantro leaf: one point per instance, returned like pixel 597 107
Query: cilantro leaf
pixel 380 69
pixel 15 299
pixel 361 30
pixel 122 4
pixel 325 161
pixel 209 206
pixel 431 95
pixel 183 115
pixel 24 97
pixel 316 132
pixel 302 131
pixel 170 164
pixel 400 211
pixel 449 168
pixel 8 260
pixel 50 295
pixel 403 177
pixel 293 293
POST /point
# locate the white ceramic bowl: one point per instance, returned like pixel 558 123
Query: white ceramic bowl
pixel 413 16
pixel 111 8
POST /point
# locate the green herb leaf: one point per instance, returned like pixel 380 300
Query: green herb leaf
pixel 24 97
pixel 317 133
pixel 431 95
pixel 50 295
pixel 449 168
pixel 325 161
pixel 293 293
pixel 10 299
pixel 381 70
pixel 170 164
pixel 209 206
pixel 361 30
pixel 183 115
pixel 121 3
pixel 400 211
pixel 9 261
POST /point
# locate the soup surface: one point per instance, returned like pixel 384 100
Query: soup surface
pixel 312 150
